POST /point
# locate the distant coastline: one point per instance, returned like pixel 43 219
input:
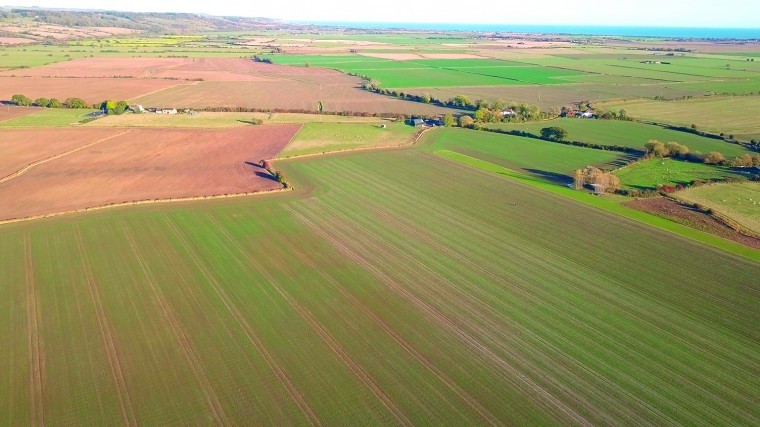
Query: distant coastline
pixel 592 30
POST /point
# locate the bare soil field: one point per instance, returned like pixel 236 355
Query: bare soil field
pixel 20 147
pixel 208 69
pixel 8 112
pixel 225 82
pixel 14 41
pixel 286 94
pixel 90 89
pixel 669 209
pixel 147 164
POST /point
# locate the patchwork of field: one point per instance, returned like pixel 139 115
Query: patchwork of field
pixel 730 115
pixel 740 202
pixel 92 90
pixel 145 164
pixel 314 138
pixel 434 72
pixel 626 134
pixel 216 82
pixel 547 160
pixel 406 289
pixel 648 174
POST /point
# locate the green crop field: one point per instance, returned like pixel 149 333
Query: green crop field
pixel 435 72
pixel 739 201
pixel 323 137
pixel 730 115
pixel 396 287
pixel 626 134
pixel 49 117
pixel 654 172
pixel 547 160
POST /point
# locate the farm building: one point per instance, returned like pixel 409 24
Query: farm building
pixel 588 114
pixel 166 111
pixel 508 113
pixel 417 122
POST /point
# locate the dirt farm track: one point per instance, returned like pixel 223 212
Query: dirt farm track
pixel 95 168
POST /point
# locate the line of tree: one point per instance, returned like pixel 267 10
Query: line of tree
pixel 24 101
pixel 655 148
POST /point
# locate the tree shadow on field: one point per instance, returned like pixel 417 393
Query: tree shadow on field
pixel 256 165
pixel 266 175
pixel 553 177
pixel 624 160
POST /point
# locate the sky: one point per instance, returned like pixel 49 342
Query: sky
pixel 657 13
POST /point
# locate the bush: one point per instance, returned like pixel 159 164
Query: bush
pixel 554 133
pixel 21 100
pixel 75 103
pixel 42 102
pixel 714 158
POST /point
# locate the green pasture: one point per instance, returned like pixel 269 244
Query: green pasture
pixel 649 174
pixel 49 117
pixel 739 201
pixel 626 134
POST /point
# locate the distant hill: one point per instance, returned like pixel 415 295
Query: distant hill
pixel 24 22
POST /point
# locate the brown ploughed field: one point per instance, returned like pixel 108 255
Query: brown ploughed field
pixel 21 147
pixel 147 164
pixel 90 89
pixel 200 83
pixel 286 94
pixel 8 112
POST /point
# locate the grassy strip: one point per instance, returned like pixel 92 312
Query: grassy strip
pixel 607 205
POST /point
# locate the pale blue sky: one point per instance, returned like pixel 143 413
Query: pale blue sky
pixel 670 13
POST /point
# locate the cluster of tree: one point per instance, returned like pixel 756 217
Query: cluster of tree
pixel 25 101
pixel 554 133
pixel 265 60
pixel 603 182
pixel 620 114
pixel 112 107
pixel 675 150
pixel 495 112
